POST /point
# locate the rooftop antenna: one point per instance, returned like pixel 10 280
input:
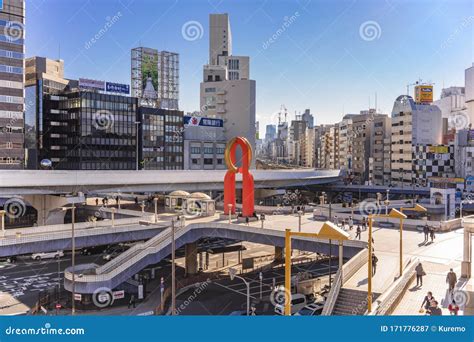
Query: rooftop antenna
pixel 376 103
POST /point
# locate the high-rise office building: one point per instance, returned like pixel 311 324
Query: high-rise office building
pixel 227 93
pixel 12 98
pixel 155 78
pixel 43 76
pixel 87 130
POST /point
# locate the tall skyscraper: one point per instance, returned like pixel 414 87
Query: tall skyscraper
pixel 155 78
pixel 227 93
pixel 12 93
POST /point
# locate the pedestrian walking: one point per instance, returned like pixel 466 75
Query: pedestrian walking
pixel 453 308
pixel 351 223
pixel 358 232
pixel 432 234
pixel 247 221
pixel 427 301
pixel 426 232
pixel 420 272
pixel 131 302
pixel 451 279
pixel 336 220
pixel 374 264
pixel 434 310
pixel 97 202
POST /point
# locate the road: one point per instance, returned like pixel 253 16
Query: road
pixel 26 278
pixel 224 296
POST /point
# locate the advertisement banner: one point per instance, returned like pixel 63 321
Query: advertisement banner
pixel 424 93
pixel 117 88
pixel 200 121
pixel 438 149
pixel 86 83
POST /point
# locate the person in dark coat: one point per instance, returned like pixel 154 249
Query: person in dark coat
pixel 432 234
pixel 426 232
pixel 374 264
pixel 420 272
pixel 427 300
pixel 358 232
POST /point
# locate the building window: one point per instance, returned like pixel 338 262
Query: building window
pixel 207 161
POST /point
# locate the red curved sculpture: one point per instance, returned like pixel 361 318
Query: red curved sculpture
pixel 247 178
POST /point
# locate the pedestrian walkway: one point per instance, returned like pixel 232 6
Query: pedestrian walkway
pixel 387 270
pixel 434 281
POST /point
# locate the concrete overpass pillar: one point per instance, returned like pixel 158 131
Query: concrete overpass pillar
pixel 279 254
pixel 48 208
pixel 466 265
pixel 190 258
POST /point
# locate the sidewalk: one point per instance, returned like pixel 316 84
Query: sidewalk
pixel 434 281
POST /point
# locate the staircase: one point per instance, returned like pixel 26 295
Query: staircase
pixel 352 302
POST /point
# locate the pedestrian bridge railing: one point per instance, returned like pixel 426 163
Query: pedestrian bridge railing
pixel 389 300
pixel 343 274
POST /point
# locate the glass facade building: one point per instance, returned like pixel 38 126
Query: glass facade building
pixel 90 131
pixel 12 49
pixel 161 143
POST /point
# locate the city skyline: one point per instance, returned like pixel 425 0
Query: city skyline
pixel 313 73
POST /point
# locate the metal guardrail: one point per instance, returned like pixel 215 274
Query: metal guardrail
pixel 346 272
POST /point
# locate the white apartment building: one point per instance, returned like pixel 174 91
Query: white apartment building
pixel 469 92
pixel 413 124
pixel 452 103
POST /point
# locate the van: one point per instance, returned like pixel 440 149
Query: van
pixel 298 302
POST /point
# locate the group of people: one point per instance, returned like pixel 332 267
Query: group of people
pixel 430 304
pixel 349 222
pixel 429 233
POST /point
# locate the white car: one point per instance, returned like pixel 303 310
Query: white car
pixel 313 309
pixel 298 302
pixel 47 255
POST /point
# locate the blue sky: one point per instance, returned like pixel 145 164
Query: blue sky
pixel 323 60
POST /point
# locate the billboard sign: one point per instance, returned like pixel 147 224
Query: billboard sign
pixel 438 149
pixel 424 93
pixel 117 88
pixel 86 83
pixel 200 121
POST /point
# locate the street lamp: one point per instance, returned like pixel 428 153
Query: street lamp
pixel 387 202
pixel 417 208
pixel 173 269
pixel 394 213
pixel 328 231
pixel 113 216
pixel 299 220
pixel 233 274
pixel 73 259
pixel 230 212
pixel 156 208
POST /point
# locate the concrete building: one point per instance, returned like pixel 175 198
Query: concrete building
pixel 226 92
pixel 413 124
pixel 469 92
pixel 270 133
pixel 380 146
pixel 464 154
pixel 12 92
pixel 204 143
pixel 43 76
pixel 155 78
pixel 452 105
